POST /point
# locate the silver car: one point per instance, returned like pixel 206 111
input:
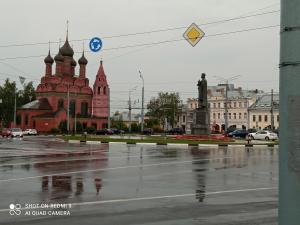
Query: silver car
pixel 16 132
pixel 264 135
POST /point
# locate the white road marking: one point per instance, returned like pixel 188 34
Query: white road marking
pixel 170 196
pixel 163 197
pixel 113 168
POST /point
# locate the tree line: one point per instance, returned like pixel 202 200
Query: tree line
pixel 8 92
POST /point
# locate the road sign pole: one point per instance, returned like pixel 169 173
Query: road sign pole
pixel 289 148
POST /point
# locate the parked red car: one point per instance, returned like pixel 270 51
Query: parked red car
pixel 6 132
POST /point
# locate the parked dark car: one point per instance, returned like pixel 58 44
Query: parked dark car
pixel 176 130
pixel 252 130
pixel 104 132
pixel 116 131
pixel 147 131
pixel 229 130
pixel 6 132
pixel 238 133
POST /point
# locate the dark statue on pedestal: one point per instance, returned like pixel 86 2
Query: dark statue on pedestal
pixel 201 124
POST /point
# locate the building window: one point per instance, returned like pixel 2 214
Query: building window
pixel 72 108
pixel 99 90
pixel 104 90
pixel 245 104
pixel 234 104
pixel 60 104
pixel 26 119
pixel 240 115
pixel 277 118
pixel 219 105
pixel 245 115
pixel 19 119
pixel 214 105
pixel 259 118
pixel 266 118
pixel 191 105
pixel 254 118
pixel 219 115
pixel 234 116
pixel 214 116
pixel 84 108
pixel 183 119
pixel 229 115
pixel 240 105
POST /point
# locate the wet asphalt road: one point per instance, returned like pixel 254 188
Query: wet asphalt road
pixel 136 184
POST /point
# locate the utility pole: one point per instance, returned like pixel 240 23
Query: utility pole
pixel 129 113
pixel 272 111
pixel 226 96
pixel 226 106
pixel 108 119
pixel 15 108
pixel 129 107
pixel 289 103
pixel 142 122
pixel 68 109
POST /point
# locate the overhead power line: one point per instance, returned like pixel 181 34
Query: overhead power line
pixel 154 43
pixel 146 32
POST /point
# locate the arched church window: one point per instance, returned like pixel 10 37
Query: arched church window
pixel 104 90
pixel 60 104
pixel 99 90
pixel 72 108
pixel 84 108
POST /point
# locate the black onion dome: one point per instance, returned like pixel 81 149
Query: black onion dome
pixel 73 62
pixel 66 49
pixel 59 57
pixel 49 59
pixel 83 60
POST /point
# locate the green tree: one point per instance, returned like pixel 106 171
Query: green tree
pixel 27 94
pixel 151 122
pixel 165 105
pixel 7 95
pixel 63 126
pixel 79 127
pixel 117 122
pixel 135 127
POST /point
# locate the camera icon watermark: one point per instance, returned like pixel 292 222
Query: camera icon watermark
pixel 15 209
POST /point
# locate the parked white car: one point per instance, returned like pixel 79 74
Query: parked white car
pixel 16 132
pixel 30 132
pixel 264 135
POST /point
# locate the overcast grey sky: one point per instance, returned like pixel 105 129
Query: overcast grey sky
pixel 174 66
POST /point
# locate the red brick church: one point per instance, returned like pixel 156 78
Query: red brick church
pixel 89 106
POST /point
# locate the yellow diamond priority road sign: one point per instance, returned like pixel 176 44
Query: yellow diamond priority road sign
pixel 193 34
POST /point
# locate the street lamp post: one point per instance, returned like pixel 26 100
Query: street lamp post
pixel 15 108
pixel 129 107
pixel 143 90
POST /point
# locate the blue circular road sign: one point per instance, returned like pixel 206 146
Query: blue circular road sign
pixel 95 44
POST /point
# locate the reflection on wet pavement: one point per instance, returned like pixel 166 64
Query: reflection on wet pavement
pixel 43 170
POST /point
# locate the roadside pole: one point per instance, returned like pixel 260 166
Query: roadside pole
pixel 289 148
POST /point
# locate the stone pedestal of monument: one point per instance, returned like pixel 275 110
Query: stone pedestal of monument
pixel 201 124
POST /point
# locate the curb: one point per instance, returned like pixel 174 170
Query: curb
pixel 174 144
